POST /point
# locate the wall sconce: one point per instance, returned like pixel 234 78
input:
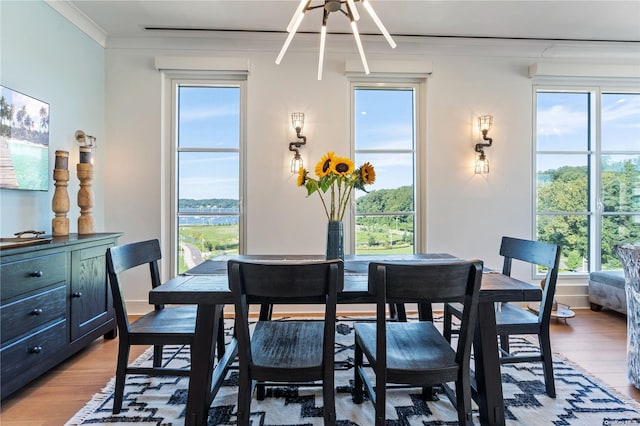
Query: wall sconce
pixel 482 164
pixel 87 143
pixel 297 121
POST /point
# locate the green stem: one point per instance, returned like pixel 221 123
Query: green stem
pixel 322 199
pixel 344 202
pixel 333 203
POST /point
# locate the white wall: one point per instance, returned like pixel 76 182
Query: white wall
pixel 48 58
pixel 466 214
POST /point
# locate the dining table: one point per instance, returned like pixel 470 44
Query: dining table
pixel 206 285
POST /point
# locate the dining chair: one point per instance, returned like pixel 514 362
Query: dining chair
pixel 162 326
pixel 512 319
pixel 416 354
pixel 285 351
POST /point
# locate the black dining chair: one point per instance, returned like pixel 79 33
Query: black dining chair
pixel 162 326
pixel 285 351
pixel 512 319
pixel 416 353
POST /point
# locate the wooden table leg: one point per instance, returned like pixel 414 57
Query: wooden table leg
pixel 202 363
pixel 487 367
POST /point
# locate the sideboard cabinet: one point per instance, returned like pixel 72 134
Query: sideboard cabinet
pixel 55 300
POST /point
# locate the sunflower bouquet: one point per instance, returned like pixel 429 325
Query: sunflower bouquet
pixel 337 176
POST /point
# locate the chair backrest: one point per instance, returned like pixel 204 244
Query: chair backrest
pixel 537 253
pixel 428 283
pixel 283 282
pixel 128 256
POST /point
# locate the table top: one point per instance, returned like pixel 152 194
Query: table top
pixel 207 283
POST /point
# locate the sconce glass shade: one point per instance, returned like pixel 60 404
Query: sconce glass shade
pixel 296 163
pixel 484 123
pixel 482 165
pixel 297 120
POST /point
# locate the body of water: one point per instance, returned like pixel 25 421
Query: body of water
pixel 207 216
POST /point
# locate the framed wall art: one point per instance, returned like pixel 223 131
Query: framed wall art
pixel 24 141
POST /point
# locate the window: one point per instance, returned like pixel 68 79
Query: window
pixel 207 158
pixel 587 174
pixel 385 136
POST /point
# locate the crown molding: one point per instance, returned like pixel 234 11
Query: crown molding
pixel 85 24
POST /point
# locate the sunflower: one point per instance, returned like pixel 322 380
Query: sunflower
pixel 367 173
pixel 337 177
pixel 323 168
pixel 302 176
pixel 342 166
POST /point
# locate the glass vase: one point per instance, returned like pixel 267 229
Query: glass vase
pixel 335 240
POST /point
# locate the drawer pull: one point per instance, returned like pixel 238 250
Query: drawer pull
pixel 35 350
pixel 37 274
pixel 36 311
pixel 76 294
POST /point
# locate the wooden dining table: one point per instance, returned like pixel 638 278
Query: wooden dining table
pixel 206 286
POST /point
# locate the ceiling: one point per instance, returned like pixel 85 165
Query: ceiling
pixel 590 20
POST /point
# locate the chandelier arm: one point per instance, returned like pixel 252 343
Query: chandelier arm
pixel 330 6
pixel 356 35
pixel 323 37
pixel 299 10
pixel 379 23
pixel 315 7
pixel 352 6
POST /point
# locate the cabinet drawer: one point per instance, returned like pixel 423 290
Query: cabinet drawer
pixel 31 313
pixel 28 275
pixel 23 355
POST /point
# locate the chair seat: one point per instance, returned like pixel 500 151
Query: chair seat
pixel 178 320
pixel 287 346
pixel 416 347
pixel 513 319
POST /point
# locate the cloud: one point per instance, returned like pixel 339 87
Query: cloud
pixel 625 112
pixel 193 114
pixel 559 120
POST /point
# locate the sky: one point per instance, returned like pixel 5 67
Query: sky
pixel 563 122
pixel 210 117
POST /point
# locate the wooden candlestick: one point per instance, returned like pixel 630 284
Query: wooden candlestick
pixel 86 223
pixel 60 203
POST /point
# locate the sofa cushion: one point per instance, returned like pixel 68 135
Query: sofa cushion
pixel 612 278
pixel 607 289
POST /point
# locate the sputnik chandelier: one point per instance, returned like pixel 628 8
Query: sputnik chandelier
pixel 329 7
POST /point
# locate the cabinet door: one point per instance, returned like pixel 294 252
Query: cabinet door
pixel 91 301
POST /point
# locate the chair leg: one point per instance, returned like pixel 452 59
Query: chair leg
pixel 504 342
pixel 157 356
pixel 328 399
pixel 244 399
pixel 393 314
pixel 446 327
pixel 221 345
pixel 121 375
pixel 380 400
pixel 358 396
pixel 402 312
pixel 425 312
pixel 261 392
pixel 547 364
pixel 428 394
pixel 463 402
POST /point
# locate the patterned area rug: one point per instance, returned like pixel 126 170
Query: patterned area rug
pixel 581 399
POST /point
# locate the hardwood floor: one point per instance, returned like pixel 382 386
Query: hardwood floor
pixel 594 340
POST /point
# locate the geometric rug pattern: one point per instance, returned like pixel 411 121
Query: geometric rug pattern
pixel 581 399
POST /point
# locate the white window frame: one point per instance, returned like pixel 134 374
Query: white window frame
pixel 211 80
pixel 418 85
pixel 595 211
